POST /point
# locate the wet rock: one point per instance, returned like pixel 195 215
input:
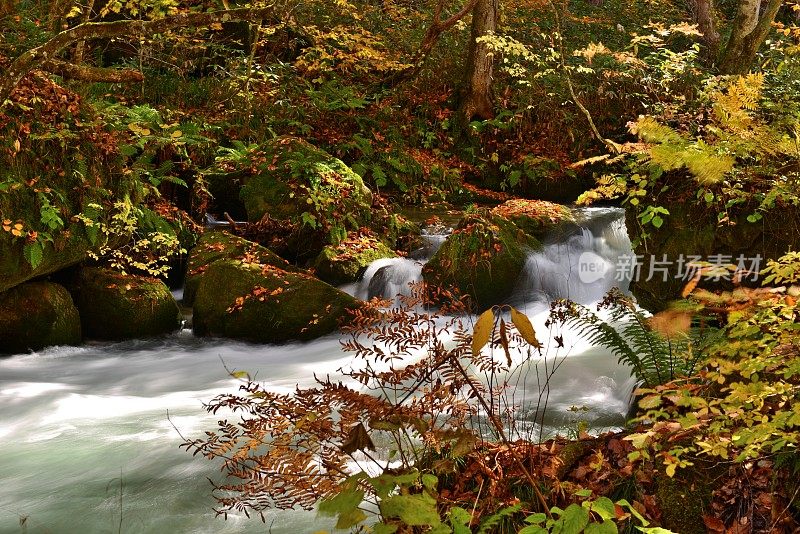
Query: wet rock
pixel 482 258
pixel 346 261
pixel 265 304
pixel 35 315
pixel 319 197
pixel 115 306
pixel 538 218
pixel 217 245
pixel 691 232
pixel 53 191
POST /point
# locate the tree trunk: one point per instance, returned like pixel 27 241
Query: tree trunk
pixel 81 46
pixel 703 16
pixel 435 30
pixel 91 74
pixel 478 100
pixel 751 27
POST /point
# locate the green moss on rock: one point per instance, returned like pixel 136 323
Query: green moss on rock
pixel 682 502
pixel 35 315
pixel 692 232
pixel 217 245
pixel 346 261
pixel 69 247
pixel 116 306
pixel 45 183
pixel 265 304
pixel 303 184
pixel 538 218
pixel 482 258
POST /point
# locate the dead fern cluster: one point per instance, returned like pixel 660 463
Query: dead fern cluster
pixel 414 388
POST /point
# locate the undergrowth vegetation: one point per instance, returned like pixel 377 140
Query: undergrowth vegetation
pixel 309 126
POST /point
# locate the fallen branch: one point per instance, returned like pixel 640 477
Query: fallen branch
pixel 91 74
pixel 36 57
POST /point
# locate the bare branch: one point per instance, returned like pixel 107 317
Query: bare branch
pixel 435 30
pixel 35 57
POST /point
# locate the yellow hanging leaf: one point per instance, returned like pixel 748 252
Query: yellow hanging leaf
pixel 525 328
pixel 482 332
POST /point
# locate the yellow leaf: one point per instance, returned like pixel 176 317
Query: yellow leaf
pixel 670 469
pixel 482 332
pixel 176 134
pixel 525 328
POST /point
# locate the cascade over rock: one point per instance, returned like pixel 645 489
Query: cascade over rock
pixel 482 258
pixel 345 262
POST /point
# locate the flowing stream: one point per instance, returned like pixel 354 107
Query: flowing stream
pixel 89 435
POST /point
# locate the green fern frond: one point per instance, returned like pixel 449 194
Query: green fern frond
pixel 628 336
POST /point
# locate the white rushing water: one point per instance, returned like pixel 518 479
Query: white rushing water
pixel 88 447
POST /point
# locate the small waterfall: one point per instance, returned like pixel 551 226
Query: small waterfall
pixel 92 421
pixel 585 266
pixel 387 278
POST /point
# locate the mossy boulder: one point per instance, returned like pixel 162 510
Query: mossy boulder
pixel 265 304
pixel 346 261
pixel 217 245
pixel 691 232
pixel 684 498
pixel 316 196
pixel 116 306
pixel 483 258
pixel 68 248
pixel 35 315
pixel 46 186
pixel 538 218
